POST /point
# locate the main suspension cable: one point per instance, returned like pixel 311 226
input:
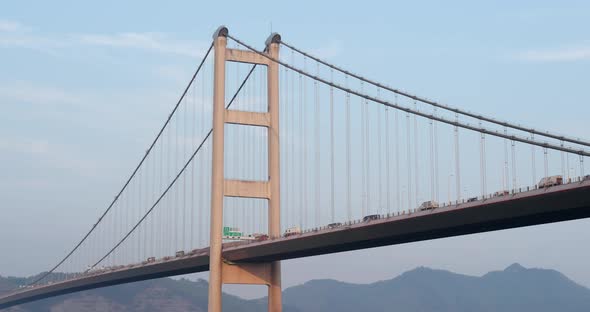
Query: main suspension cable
pixel 439 105
pixel 44 275
pixel 175 178
pixel 467 126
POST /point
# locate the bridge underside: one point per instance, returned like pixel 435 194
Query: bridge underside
pixel 561 203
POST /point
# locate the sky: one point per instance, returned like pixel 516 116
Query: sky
pixel 85 86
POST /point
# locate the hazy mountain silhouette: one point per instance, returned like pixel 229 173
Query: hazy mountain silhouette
pixel 420 290
pixel 424 289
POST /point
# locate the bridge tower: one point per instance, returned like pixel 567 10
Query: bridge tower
pixel 220 271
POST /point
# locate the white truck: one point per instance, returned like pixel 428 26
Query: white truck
pixel 428 205
pixel 550 181
pixel 292 231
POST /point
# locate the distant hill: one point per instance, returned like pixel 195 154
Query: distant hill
pixel 154 295
pixel 420 290
pixel 514 289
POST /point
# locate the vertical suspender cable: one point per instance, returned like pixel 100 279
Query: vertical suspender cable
pixel 152 199
pixel 147 176
pixel 431 155
pixel 409 164
pixel 379 157
pixel 482 161
pixel 436 178
pixel 416 157
pixel 201 186
pixel 317 183
pixel 387 169
pixel 305 150
pixel 192 187
pixel 457 160
pixel 185 110
pixel 348 151
pixel 139 202
pixel 302 140
pixel 128 198
pixel 368 157
pixel 293 167
pixel 514 184
pixel 562 161
pixel 332 147
pixel 176 188
pixel 546 162
pixel 567 162
pixel 533 162
pixel 506 175
pixel 161 211
pixel 363 184
pixel 397 179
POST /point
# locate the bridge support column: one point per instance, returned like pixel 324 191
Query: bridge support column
pixel 274 169
pixel 221 272
pixel 217 175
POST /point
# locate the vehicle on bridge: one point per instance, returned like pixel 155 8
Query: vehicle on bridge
pixel 292 231
pixel 180 253
pixel 586 177
pixel 151 259
pixel 334 225
pixel 472 199
pixel 501 193
pixel 428 205
pixel 260 237
pixel 551 181
pixel 371 217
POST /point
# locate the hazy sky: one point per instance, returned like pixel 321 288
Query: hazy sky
pixel 84 86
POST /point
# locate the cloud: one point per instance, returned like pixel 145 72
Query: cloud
pixel 14 34
pixel 331 50
pixel 568 54
pixel 35 147
pixel 36 94
pixel 11 26
pixel 156 42
pixel 44 153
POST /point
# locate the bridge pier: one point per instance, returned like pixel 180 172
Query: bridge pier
pixel 220 271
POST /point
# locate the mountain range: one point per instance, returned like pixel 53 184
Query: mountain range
pixel 420 290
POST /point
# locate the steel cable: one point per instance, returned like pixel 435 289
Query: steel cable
pixel 439 105
pixel 425 115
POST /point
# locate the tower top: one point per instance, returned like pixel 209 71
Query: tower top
pixel 273 38
pixel 220 32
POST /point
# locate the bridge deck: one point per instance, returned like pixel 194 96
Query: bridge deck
pixel 559 203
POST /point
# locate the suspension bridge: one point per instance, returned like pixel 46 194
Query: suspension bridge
pixel 273 154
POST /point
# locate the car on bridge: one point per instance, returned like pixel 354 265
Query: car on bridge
pixel 179 254
pixel 428 205
pixel 260 237
pixel 371 217
pixel 292 231
pixel 472 199
pixel 501 193
pixel 550 181
pixel 334 225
